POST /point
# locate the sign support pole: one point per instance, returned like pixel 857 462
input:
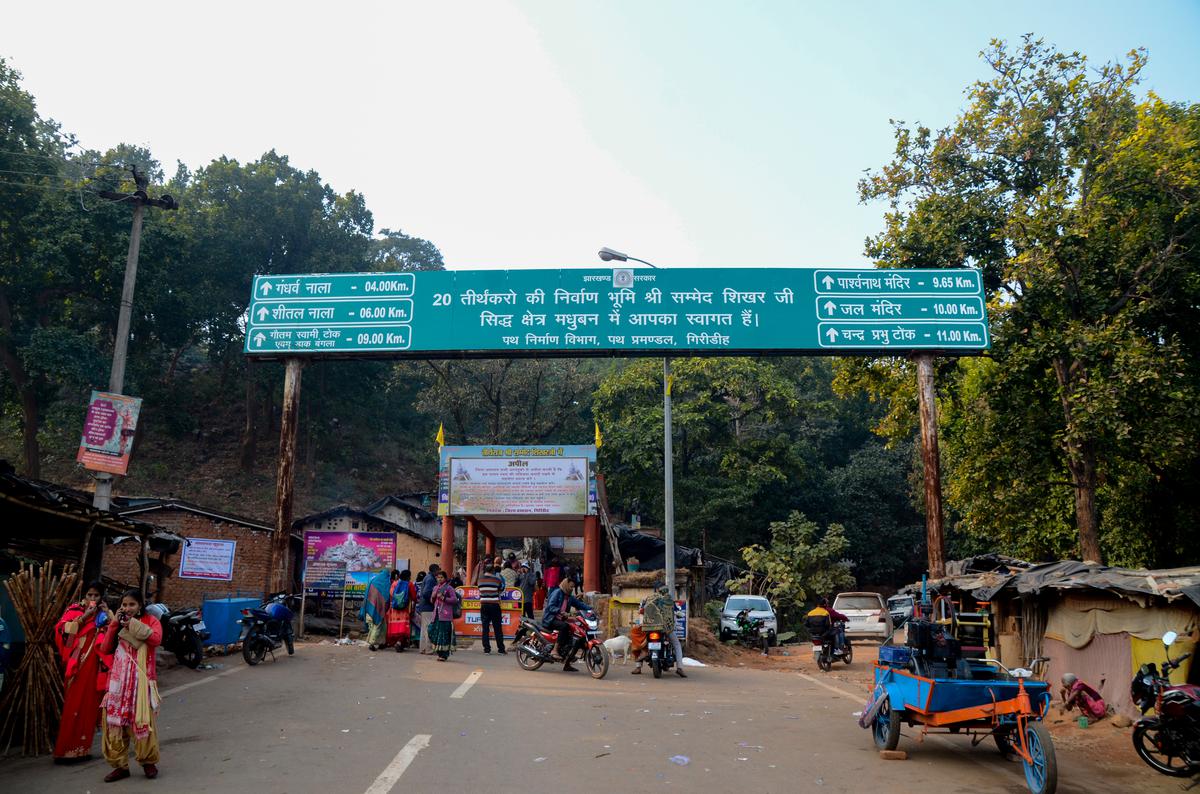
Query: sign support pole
pixel 668 482
pixel 285 478
pixel 934 539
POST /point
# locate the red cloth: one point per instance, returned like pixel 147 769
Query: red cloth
pixel 85 681
pixel 111 638
pixel 1088 700
pixel 539 598
pixel 553 577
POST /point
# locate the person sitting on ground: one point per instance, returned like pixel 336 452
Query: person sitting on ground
pixel 1077 693
pixel 558 603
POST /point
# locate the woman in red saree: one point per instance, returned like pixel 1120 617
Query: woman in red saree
pixel 85 678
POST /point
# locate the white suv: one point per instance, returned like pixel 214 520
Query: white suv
pixel 868 615
pixel 759 608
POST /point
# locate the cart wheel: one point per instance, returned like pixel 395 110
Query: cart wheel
pixel 886 729
pixel 1041 771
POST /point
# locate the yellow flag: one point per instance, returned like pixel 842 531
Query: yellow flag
pixel 599 437
pixel 441 436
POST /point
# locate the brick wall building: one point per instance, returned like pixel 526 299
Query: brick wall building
pixel 251 558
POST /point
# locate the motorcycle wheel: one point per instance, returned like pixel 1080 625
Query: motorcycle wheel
pixel 825 659
pixel 656 666
pixel 191 652
pixel 847 653
pixel 886 729
pixel 1041 771
pixel 526 659
pixel 1148 741
pixel 253 651
pixel 596 658
pixel 290 644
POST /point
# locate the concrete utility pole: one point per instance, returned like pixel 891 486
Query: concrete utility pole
pixel 285 477
pixel 935 541
pixel 102 498
pixel 608 255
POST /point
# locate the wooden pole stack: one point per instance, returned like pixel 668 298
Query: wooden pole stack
pixel 32 703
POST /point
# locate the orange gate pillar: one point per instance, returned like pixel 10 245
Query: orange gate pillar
pixel 489 545
pixel 447 562
pixel 591 554
pixel 472 551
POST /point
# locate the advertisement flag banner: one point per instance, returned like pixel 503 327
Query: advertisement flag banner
pixel 471 623
pixel 108 431
pixel 207 559
pixel 363 554
pixel 517 480
pixel 681 620
pixel 575 312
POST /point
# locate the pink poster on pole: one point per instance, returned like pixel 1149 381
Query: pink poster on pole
pixel 108 432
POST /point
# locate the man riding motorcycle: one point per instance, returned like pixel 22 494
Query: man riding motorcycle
pixel 822 623
pixel 558 603
pixel 661 603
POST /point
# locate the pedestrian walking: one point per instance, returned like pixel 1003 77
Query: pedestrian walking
pixel 131 703
pixel 78 636
pixel 553 574
pixel 441 633
pixel 490 585
pixel 375 606
pixel 425 607
pixel 539 593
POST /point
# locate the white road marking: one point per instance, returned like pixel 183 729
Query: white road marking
pixel 466 685
pixel 205 680
pixel 949 744
pixel 390 776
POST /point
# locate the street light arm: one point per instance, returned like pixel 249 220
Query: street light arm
pixel 643 261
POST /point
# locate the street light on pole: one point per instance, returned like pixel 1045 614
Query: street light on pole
pixel 608 255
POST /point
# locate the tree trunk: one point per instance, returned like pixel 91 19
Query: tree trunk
pixel 29 432
pixel 1081 462
pixel 249 439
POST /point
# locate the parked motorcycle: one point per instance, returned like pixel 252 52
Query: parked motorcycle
pixel 535 645
pixel 825 653
pixel 1168 742
pixel 753 632
pixel 184 632
pixel 266 628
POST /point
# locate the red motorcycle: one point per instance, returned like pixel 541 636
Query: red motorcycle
pixel 535 645
pixel 1168 742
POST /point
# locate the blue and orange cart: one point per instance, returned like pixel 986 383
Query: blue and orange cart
pixel 941 692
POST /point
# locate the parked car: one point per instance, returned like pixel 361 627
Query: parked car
pixel 759 608
pixel 901 608
pixel 868 615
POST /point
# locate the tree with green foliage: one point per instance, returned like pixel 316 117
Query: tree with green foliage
pixel 1079 202
pixel 802 563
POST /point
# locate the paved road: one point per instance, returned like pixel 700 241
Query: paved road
pixel 343 719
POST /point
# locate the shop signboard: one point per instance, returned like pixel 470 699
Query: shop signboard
pixel 470 624
pixel 207 559
pixel 576 312
pixel 363 554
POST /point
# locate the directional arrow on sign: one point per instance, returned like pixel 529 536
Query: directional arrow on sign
pixel 828 282
pixel 262 313
pixel 265 288
pixel 831 307
pixel 832 334
pixel 259 339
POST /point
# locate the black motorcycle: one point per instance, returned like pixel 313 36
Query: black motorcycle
pixel 265 629
pixel 1169 742
pixel 661 650
pixel 184 633
pixel 827 652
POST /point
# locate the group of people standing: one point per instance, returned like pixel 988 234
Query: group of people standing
pixel 110 681
pixel 394 606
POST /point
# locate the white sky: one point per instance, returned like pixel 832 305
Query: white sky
pixel 533 133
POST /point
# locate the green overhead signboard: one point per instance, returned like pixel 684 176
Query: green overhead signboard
pixel 579 312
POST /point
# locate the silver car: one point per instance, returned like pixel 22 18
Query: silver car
pixel 868 615
pixel 759 608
